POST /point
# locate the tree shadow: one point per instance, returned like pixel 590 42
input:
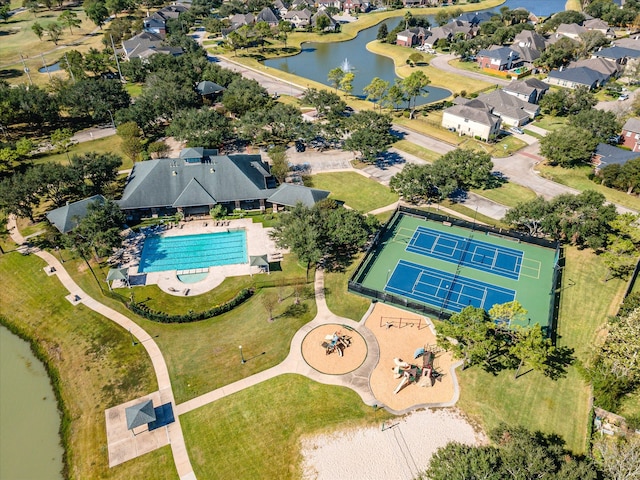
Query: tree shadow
pixel 10 73
pixel 558 362
pixel 295 310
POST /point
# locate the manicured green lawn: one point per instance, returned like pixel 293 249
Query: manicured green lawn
pixel 509 194
pixel 256 433
pixel 417 150
pixel 339 300
pixel 549 122
pixel 101 145
pixel 562 406
pixel 577 178
pixel 355 190
pixel 98 366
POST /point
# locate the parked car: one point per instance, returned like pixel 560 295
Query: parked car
pixel 623 97
pixel 516 130
pixel 300 147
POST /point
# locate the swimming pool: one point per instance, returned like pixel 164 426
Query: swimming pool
pixel 187 252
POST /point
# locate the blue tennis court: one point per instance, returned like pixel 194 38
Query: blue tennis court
pixel 444 290
pixel 476 254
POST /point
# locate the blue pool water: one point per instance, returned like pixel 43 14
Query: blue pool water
pixel 187 252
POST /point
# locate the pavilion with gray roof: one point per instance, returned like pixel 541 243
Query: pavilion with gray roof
pixel 67 218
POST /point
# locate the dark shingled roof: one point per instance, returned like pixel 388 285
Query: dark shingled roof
pixel 140 414
pixel 66 218
pixel 208 88
pixel 169 182
pixel 610 155
pixel 289 195
pixel 581 75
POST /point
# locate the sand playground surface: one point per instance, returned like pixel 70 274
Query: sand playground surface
pixel 315 354
pixel 399 451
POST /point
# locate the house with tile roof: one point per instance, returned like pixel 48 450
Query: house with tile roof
pixel 530 39
pixel 598 25
pixel 299 18
pixel 511 109
pixel 570 30
pixel 267 15
pixel 67 218
pixel 201 178
pixel 576 77
pixel 146 44
pixel 631 134
pixel 471 119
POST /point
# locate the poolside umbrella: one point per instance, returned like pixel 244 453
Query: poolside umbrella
pixel 259 261
pixel 140 414
pixel 118 274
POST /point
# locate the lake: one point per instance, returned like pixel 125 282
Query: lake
pixel 317 59
pixel 29 419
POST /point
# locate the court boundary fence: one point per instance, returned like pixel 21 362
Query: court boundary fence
pixel 354 284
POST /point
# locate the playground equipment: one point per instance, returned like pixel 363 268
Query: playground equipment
pixel 424 376
pixel 400 322
pixel 336 343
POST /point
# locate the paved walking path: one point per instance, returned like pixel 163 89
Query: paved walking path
pixel 176 439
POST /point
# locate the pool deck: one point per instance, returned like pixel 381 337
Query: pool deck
pixel 258 243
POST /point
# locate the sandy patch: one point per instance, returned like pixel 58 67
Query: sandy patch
pixel 400 451
pixel 333 364
pixel 400 334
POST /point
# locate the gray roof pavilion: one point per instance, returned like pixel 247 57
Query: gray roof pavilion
pixel 140 414
pixel 289 195
pixel 66 218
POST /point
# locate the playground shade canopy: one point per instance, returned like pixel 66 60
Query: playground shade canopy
pixel 140 414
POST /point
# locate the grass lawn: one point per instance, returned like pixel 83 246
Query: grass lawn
pixel 549 122
pixel 134 89
pixel 538 403
pixel 97 364
pixel 473 67
pixel 256 433
pixel 509 194
pixel 417 150
pixel 102 145
pixel 358 192
pixel 19 39
pixel 339 300
pixel 577 178
pixel 575 5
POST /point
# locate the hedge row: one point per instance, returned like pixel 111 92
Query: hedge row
pixel 162 317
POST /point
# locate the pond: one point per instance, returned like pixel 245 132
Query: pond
pixel 50 68
pixel 317 59
pixel 29 419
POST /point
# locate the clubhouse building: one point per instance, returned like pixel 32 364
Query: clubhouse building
pixel 199 179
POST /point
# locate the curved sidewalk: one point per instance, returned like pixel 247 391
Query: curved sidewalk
pixel 176 438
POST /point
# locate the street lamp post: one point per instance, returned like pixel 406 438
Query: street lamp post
pixel 242 360
pixel 112 120
pixel 59 254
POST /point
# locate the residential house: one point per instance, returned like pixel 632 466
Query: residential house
pixel 632 42
pixel 631 134
pixel 475 18
pixel 576 77
pixel 146 44
pixel 157 22
pixel 412 3
pixel 67 218
pixel 606 154
pixel 240 19
pixel 619 55
pixel 598 25
pixel 198 180
pixel 299 18
pixel 322 4
pixel 511 109
pixel 570 30
pixel 300 5
pixel 471 121
pixel 333 25
pixel 356 6
pixel 267 15
pixel 606 67
pixel 412 36
pixel 530 39
pixel 528 55
pixel 530 90
pixel 280 7
pixel 448 31
pixel 499 58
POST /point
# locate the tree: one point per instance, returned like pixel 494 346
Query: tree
pixel 279 164
pixel 8 159
pixel 116 6
pixel 70 19
pixel 461 462
pixel 469 168
pixel 96 11
pixel 532 347
pixel 96 62
pixel 376 90
pixel 369 134
pixel 322 23
pixel 100 169
pixel 99 231
pixel 619 352
pixel 24 147
pixel 327 104
pixel 284 29
pixel 32 6
pixel 269 302
pixel 600 123
pixel 278 125
pixel 54 30
pixel 620 257
pixel 19 194
pixel 335 77
pixel 96 97
pixel 261 31
pixel 395 96
pixel 415 58
pixel 244 95
pixel 382 33
pixel 73 63
pixel 416 184
pixel 413 86
pixel 507 313
pixel 346 84
pixel 529 216
pixel 619 458
pixel 558 54
pixel 38 30
pixel 203 128
pixel 554 102
pixel 5 12
pixel 158 149
pixel 568 147
pixel 62 139
pixel 131 139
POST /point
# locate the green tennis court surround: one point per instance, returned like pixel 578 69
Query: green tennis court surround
pixel 437 265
